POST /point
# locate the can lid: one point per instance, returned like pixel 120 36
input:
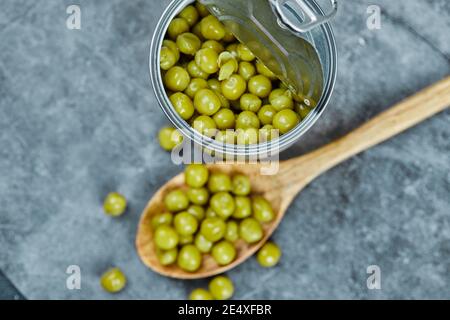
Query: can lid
pixel 277 32
pixel 285 8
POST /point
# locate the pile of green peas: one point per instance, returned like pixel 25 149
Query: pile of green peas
pixel 208 216
pixel 198 223
pixel 218 86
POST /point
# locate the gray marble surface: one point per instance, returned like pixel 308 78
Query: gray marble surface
pixel 78 119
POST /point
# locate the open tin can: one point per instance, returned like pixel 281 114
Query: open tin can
pixel 292 37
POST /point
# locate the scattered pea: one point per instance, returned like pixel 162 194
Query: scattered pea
pixel 169 138
pixel 115 204
pixel 221 288
pixel 113 280
pixel 269 255
pixel 201 294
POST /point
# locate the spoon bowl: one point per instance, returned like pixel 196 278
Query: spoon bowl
pixel 293 175
pixel 261 185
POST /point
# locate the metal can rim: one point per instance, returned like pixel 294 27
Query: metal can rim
pixel 255 150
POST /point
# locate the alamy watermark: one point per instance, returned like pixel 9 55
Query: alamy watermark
pixel 73 22
pixel 73 281
pixel 374 279
pixel 373 22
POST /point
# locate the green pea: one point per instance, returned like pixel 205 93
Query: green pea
pixel 266 114
pixel 223 253
pixel 262 209
pixel 206 59
pixel 285 121
pixel 219 182
pixel 172 46
pixel 206 102
pixel 232 232
pixel 195 71
pixel 247 119
pixel 198 196
pixel 200 295
pixel 185 224
pixel 241 185
pixel 269 255
pixel 210 213
pixel 213 229
pixel 250 230
pixel 229 37
pixel 176 201
pixel 227 57
pixel 195 86
pixel 221 288
pixel 247 136
pixel 227 70
pixel 169 138
pixel 244 53
pixel 115 204
pixel 183 105
pixel 243 208
pixel 166 258
pixel 223 204
pixel 188 43
pixel 162 219
pixel 212 28
pixel 250 102
pixel 203 244
pixel 189 258
pixel 223 101
pixel 213 44
pixel 177 79
pixel 302 110
pixel 205 125
pixel 197 212
pixel 260 86
pixel 166 238
pixel 262 69
pixel 196 175
pixel 176 27
pixel 202 10
pixel 214 84
pixel 113 280
pixel 224 119
pixel 186 240
pixel 168 58
pixel 281 99
pixel 197 30
pixel 234 87
pixel 246 70
pixel 232 48
pixel 190 14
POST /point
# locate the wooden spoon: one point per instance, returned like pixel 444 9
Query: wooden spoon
pixel 294 175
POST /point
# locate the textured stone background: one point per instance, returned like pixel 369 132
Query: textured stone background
pixel 78 119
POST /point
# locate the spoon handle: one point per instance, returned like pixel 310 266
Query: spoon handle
pixel 388 124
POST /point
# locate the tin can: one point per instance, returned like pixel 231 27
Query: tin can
pixel 316 30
